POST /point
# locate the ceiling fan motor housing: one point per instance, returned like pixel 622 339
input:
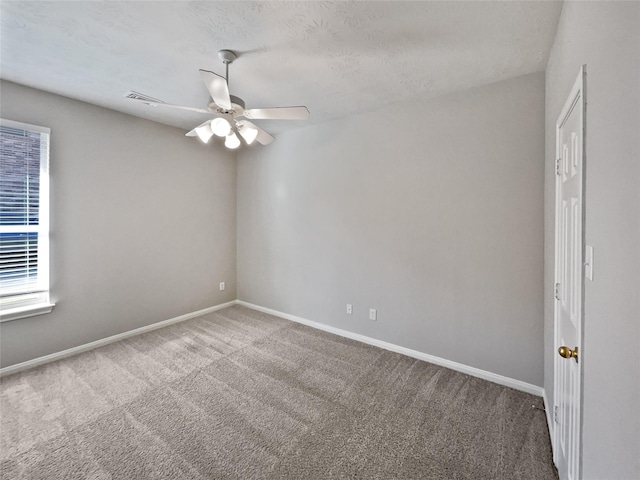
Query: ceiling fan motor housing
pixel 237 103
pixel 237 106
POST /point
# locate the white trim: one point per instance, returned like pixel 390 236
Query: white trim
pixel 459 367
pixel 550 421
pixel 19 367
pixel 24 126
pixel 26 311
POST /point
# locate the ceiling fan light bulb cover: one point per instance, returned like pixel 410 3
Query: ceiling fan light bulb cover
pixel 220 127
pixel 232 141
pixel 204 132
pixel 249 134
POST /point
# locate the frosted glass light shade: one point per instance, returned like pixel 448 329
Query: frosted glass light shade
pixel 220 127
pixel 204 132
pixel 248 133
pixel 232 141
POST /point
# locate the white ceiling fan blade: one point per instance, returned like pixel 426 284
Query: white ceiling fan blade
pixel 193 133
pixel 180 107
pixel 277 113
pixel 218 88
pixel 263 138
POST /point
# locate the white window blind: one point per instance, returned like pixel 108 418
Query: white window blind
pixel 24 218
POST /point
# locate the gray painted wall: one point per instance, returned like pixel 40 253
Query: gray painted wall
pixel 431 212
pixel 142 224
pixel 606 37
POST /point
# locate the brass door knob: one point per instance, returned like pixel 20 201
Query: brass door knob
pixel 566 352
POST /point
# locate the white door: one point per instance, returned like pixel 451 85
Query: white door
pixel 569 287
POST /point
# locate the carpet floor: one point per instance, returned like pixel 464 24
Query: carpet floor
pixel 240 394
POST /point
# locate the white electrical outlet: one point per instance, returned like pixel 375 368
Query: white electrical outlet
pixel 349 309
pixel 221 286
pixel 373 314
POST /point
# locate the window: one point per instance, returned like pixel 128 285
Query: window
pixel 24 220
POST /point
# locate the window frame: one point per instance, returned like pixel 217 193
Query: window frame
pixel 22 302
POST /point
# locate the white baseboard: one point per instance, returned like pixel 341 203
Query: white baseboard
pixel 18 367
pixel 548 408
pixel 459 367
pixel 476 372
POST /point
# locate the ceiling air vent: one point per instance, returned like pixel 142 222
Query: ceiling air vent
pixel 142 97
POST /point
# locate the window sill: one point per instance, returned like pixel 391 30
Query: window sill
pixel 27 311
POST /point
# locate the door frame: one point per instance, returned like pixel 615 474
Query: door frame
pixel 576 98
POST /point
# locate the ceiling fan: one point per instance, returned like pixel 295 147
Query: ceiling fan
pixel 232 118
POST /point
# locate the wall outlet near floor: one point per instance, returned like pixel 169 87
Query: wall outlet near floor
pixel 349 309
pixel 373 314
pixel 221 286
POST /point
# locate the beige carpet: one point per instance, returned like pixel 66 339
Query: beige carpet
pixel 241 394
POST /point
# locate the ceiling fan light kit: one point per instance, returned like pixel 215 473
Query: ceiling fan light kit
pixel 231 112
pixel 220 127
pixel 248 133
pixel 204 132
pixel 232 141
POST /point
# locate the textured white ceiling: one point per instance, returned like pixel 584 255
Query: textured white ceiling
pixel 337 58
